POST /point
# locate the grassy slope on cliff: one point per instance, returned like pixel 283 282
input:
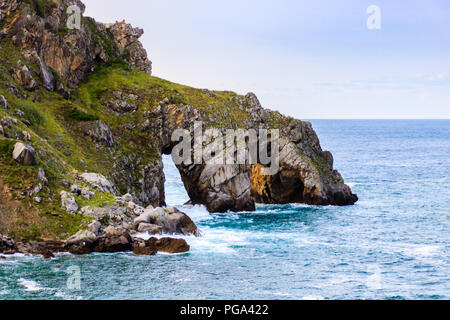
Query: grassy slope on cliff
pixel 64 151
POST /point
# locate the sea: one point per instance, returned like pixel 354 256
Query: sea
pixel 394 244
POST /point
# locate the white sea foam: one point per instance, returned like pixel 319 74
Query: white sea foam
pixel 30 285
pixel 312 297
pixel 196 213
pixel 63 296
pixel 426 251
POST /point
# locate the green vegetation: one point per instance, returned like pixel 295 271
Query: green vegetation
pixel 79 115
pixel 42 7
pixel 107 43
pixel 98 201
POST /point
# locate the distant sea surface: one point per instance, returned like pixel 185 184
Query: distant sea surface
pixel 393 244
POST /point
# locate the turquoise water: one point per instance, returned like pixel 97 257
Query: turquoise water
pixel 394 244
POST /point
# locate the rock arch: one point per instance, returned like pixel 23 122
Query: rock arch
pixel 306 172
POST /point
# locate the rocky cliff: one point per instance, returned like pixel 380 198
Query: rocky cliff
pixel 83 122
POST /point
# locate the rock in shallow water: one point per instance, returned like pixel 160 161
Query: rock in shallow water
pixel 168 245
pixel 170 220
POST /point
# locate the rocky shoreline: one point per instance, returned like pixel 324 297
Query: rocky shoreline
pixel 106 244
pixel 83 122
pixel 116 229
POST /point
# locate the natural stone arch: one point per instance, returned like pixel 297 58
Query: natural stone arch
pixel 306 173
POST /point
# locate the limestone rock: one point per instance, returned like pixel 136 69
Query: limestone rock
pixel 87 193
pixel 94 227
pixel 3 102
pixel 7 245
pixel 169 245
pixel 144 251
pixel 100 182
pixel 24 154
pixel 146 217
pixel 82 236
pixel 150 228
pixel 47 76
pixel 41 176
pixel 26 136
pixel 71 54
pixel 127 39
pixel 113 242
pixel 68 203
pixel 23 76
pixel 176 222
pixel 75 189
pixel 99 132
pixel 122 102
pixel 112 215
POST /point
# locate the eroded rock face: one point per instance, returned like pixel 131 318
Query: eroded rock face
pixel 23 76
pixel 306 173
pixel 46 42
pixel 100 133
pixel 6 6
pixel 100 182
pixel 68 203
pixel 170 221
pixel 7 245
pixel 122 103
pixel 169 245
pixel 127 39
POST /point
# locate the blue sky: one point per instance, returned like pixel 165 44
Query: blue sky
pixel 308 59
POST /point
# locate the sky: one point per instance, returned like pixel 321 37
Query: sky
pixel 307 59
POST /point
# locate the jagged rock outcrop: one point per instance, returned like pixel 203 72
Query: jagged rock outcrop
pixel 6 6
pixel 45 41
pixel 169 221
pixel 100 133
pixel 104 129
pixel 127 38
pixel 68 203
pixel 116 240
pixel 305 175
pixel 23 77
pixel 100 182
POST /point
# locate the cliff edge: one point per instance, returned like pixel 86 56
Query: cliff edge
pixel 83 124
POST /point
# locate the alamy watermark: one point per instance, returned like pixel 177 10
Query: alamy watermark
pixel 236 147
pixel 74 17
pixel 375 280
pixel 374 19
pixel 74 278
